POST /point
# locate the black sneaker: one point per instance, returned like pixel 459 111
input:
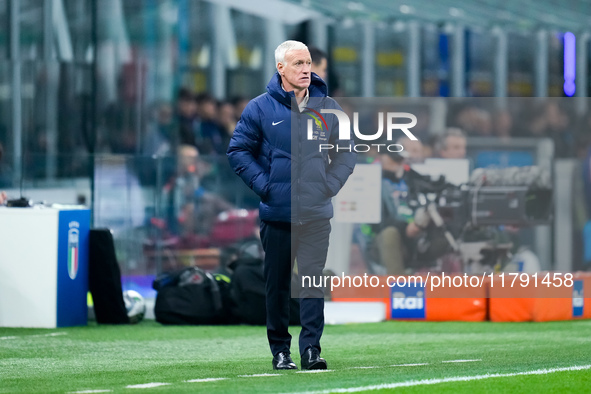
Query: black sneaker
pixel 311 359
pixel 282 360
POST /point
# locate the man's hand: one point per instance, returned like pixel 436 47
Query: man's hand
pixel 412 230
pixel 422 218
pixel 420 223
pixel 3 198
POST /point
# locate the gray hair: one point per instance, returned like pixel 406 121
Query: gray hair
pixel 441 142
pixel 285 47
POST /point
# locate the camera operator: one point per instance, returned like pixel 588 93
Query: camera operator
pixel 394 239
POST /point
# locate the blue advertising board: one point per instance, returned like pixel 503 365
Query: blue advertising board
pixel 72 267
pixel 408 302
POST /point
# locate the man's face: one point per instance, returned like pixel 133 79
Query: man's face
pixel 413 148
pixel 320 68
pixel 455 148
pixel 187 108
pixel 389 164
pixel 187 159
pixel 208 110
pixel 295 73
pixel 226 114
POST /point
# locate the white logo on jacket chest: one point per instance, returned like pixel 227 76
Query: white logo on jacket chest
pixel 315 131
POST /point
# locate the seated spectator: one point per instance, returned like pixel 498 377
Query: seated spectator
pixel 552 119
pixel 210 139
pixel 186 113
pixel 227 120
pixel 475 121
pixel 452 145
pixel 192 208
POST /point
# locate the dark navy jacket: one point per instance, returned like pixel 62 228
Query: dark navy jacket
pixel 271 152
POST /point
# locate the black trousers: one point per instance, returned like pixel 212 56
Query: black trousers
pixel 283 243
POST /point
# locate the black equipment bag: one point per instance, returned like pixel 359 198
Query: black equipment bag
pixel 248 293
pixel 104 279
pixel 192 296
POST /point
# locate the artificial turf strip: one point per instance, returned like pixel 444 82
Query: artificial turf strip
pixel 559 382
pixel 113 357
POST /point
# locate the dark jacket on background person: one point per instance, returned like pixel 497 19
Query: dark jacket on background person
pixel 271 153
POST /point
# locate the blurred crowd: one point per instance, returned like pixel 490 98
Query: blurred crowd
pixel 206 123
pixel 555 119
pixel 191 135
pixel 202 121
pixel 197 120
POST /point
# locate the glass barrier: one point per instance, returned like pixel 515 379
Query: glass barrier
pixel 165 213
pixel 168 212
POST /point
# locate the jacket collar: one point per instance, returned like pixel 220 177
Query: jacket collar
pixel 317 88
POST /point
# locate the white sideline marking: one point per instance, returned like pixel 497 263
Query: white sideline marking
pixel 259 375
pixel 447 380
pixel 364 367
pixel 409 365
pixel 461 361
pixel 90 391
pixel 204 380
pixel 53 334
pixel 146 385
pixel 316 371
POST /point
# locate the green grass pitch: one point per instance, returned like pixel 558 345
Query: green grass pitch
pixel 114 357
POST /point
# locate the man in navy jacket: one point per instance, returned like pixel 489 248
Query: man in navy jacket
pixel 276 155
